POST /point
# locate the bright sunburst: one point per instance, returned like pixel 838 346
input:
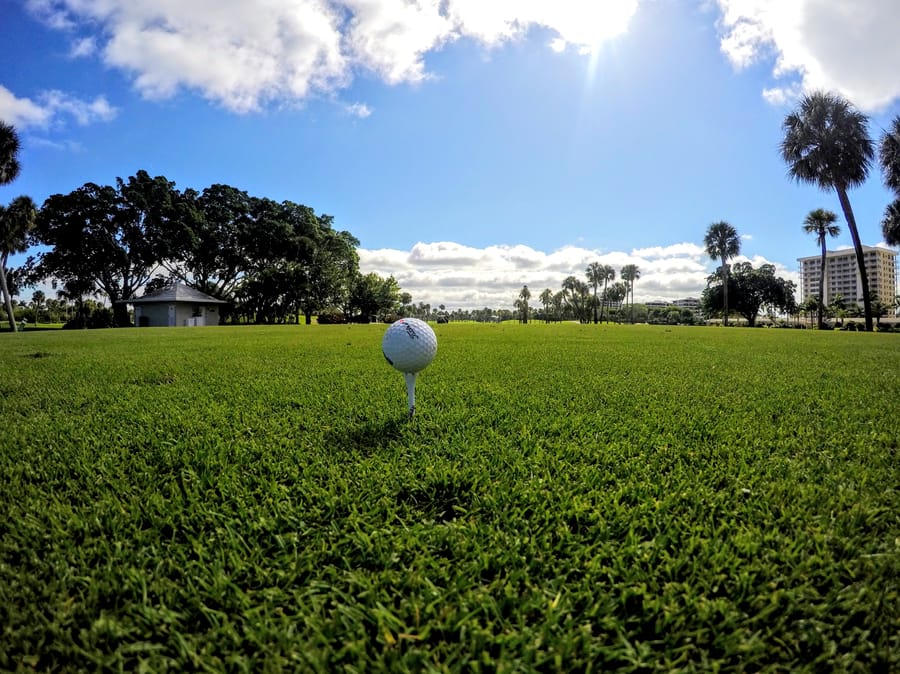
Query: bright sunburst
pixel 586 26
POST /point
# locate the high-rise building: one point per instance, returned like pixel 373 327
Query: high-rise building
pixel 842 275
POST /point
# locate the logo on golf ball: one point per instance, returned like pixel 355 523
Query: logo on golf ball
pixel 409 345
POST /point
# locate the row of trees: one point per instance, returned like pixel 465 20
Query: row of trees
pixel 271 260
pixel 751 290
pixel 582 300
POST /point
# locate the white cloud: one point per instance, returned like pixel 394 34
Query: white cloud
pixel 21 112
pixel 360 110
pixel 52 108
pixel 848 46
pixel 84 47
pixel 460 276
pixel 558 45
pixel 245 54
pixel 62 104
pixel 584 25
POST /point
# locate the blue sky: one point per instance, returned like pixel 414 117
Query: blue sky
pixel 470 146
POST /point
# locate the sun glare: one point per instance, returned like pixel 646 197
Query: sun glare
pixel 586 26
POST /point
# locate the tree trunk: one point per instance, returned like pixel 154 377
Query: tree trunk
pixel 725 291
pixel 120 315
pixel 822 286
pixel 603 301
pixel 860 258
pixel 6 298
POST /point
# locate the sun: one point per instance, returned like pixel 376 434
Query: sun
pixel 587 26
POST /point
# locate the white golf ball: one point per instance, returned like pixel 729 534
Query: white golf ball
pixel 409 345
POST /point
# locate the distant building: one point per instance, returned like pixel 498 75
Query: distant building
pixel 175 305
pixel 842 275
pixel 690 303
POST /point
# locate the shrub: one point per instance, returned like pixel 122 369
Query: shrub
pixel 331 317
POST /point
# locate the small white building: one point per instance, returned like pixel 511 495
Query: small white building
pixel 176 305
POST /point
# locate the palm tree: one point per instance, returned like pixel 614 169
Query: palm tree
pixel 821 223
pixel 838 307
pixel 38 300
pixel 576 293
pixel 16 220
pixel 524 296
pixel 615 294
pixel 546 298
pixel 559 299
pixel 595 275
pixel 630 273
pixel 74 291
pixel 9 154
pixel 609 274
pixel 827 144
pixel 722 243
pixel 889 156
pixel 890 225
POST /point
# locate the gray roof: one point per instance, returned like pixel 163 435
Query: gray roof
pixel 177 292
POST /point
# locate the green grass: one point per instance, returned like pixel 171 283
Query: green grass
pixel 568 498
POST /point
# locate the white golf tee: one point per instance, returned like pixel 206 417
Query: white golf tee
pixel 411 391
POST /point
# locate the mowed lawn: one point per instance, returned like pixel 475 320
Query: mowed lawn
pixel 568 498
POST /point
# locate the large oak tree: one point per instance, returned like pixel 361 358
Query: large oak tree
pixel 108 238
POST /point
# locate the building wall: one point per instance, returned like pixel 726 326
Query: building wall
pixel 155 315
pixel 842 275
pixel 195 315
pixel 184 314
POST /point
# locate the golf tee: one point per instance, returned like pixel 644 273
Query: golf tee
pixel 411 391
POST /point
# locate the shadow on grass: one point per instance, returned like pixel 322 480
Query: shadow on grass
pixel 369 436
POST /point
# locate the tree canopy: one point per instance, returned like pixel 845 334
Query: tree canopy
pixel 750 290
pixel 270 259
pixel 9 153
pixel 889 158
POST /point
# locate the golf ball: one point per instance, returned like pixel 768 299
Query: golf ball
pixel 409 345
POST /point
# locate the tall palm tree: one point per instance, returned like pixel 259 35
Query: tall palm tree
pixel 826 143
pixel 546 298
pixel 821 223
pixel 722 243
pixel 609 274
pixel 576 293
pixel 16 220
pixel 595 276
pixel 9 153
pixel 630 273
pixel 559 299
pixel 524 296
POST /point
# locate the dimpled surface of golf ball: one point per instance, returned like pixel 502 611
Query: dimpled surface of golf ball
pixel 409 345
